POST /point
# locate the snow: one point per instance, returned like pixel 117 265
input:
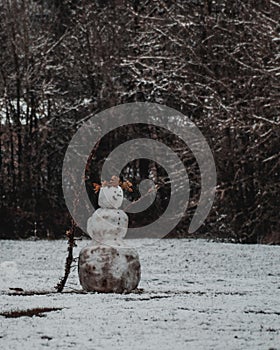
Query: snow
pixel 196 295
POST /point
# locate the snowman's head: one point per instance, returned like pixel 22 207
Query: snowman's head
pixel 110 197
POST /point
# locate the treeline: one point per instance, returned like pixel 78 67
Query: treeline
pixel 215 61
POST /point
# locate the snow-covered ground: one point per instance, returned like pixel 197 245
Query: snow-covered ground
pixel 197 295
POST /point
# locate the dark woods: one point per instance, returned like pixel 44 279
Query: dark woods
pixel 215 61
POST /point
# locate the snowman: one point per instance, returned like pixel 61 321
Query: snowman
pixel 108 264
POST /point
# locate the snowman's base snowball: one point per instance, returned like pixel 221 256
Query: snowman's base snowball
pixel 109 269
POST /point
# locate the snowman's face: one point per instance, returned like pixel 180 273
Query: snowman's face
pixel 110 197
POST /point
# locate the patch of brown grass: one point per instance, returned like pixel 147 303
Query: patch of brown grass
pixel 29 312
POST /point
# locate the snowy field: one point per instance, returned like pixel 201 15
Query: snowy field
pixel 196 295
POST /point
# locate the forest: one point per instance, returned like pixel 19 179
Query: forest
pixel 215 61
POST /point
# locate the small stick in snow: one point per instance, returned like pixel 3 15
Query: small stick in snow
pixel 71 243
